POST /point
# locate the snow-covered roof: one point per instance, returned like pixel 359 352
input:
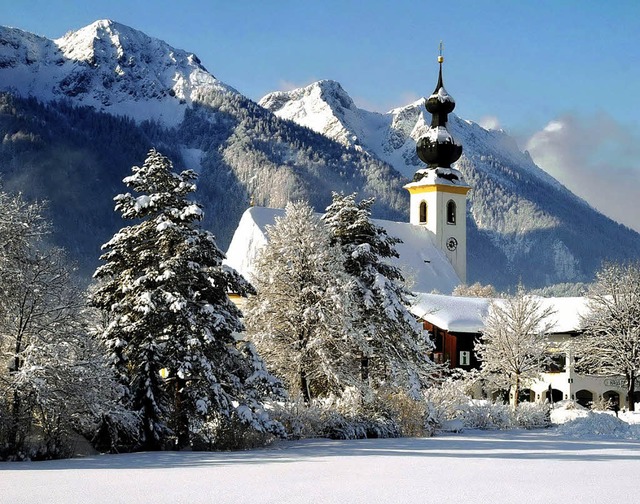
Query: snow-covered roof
pixel 423 264
pixel 438 176
pixel 466 314
pixel 451 313
pixel 568 312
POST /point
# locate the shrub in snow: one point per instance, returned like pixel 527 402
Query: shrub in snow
pixel 601 404
pixel 300 420
pixel 445 402
pixel 222 433
pixel 372 426
pixel 349 418
pixel 449 407
pixel 409 414
pixel 483 414
pixel 531 415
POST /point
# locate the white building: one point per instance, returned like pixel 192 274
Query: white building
pixel 423 264
pixel 457 322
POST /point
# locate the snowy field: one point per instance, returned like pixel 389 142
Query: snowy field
pixel 573 463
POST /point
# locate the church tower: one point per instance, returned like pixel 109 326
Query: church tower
pixel 438 192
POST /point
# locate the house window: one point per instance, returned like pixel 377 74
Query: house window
pixel 451 212
pixel 557 363
pixel 423 212
pixel 465 358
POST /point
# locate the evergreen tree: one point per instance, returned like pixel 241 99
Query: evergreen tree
pixel 300 317
pixel 393 347
pixel 174 334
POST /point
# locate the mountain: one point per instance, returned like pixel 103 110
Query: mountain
pixel 523 225
pixel 108 66
pixel 77 112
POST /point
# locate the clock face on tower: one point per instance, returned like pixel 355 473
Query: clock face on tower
pixel 452 244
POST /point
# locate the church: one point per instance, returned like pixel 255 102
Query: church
pixel 433 260
pixel 433 252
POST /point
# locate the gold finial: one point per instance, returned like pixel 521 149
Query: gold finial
pixel 440 56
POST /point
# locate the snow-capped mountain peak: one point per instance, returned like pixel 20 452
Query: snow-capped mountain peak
pixel 325 107
pixel 109 66
pixel 327 93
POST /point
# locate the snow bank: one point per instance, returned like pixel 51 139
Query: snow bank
pixel 578 422
pixel 599 424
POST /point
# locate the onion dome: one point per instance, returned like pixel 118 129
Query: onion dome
pixel 438 148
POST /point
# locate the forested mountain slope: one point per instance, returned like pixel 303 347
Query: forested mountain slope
pixel 72 151
pixel 77 112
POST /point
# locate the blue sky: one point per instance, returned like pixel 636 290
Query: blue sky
pixel 519 65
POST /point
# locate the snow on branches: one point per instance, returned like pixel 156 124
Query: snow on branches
pixel 393 346
pixel 514 342
pixel 330 313
pixel 610 344
pixel 173 334
pixel 299 318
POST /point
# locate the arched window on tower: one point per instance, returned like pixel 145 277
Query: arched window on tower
pixel 451 212
pixel 423 212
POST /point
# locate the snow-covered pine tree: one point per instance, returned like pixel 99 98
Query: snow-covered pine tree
pixel 393 347
pixel 513 346
pixel 300 317
pixel 174 333
pixel 610 344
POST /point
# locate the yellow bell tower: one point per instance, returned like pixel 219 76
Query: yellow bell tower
pixel 438 192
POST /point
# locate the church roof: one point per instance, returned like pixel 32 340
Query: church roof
pixel 423 264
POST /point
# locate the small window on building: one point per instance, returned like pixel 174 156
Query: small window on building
pixel 557 363
pixel 465 358
pixel 451 212
pixel 423 212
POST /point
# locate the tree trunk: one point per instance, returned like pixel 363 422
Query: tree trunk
pixel 15 421
pixel 516 392
pixel 364 368
pixel 17 399
pixel 304 387
pixel 631 385
pixel 181 416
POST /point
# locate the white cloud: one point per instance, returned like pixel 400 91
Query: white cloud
pixel 595 157
pixel 287 85
pixel 489 122
pixel 404 99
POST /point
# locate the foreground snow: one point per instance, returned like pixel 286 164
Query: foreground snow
pixel 476 466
